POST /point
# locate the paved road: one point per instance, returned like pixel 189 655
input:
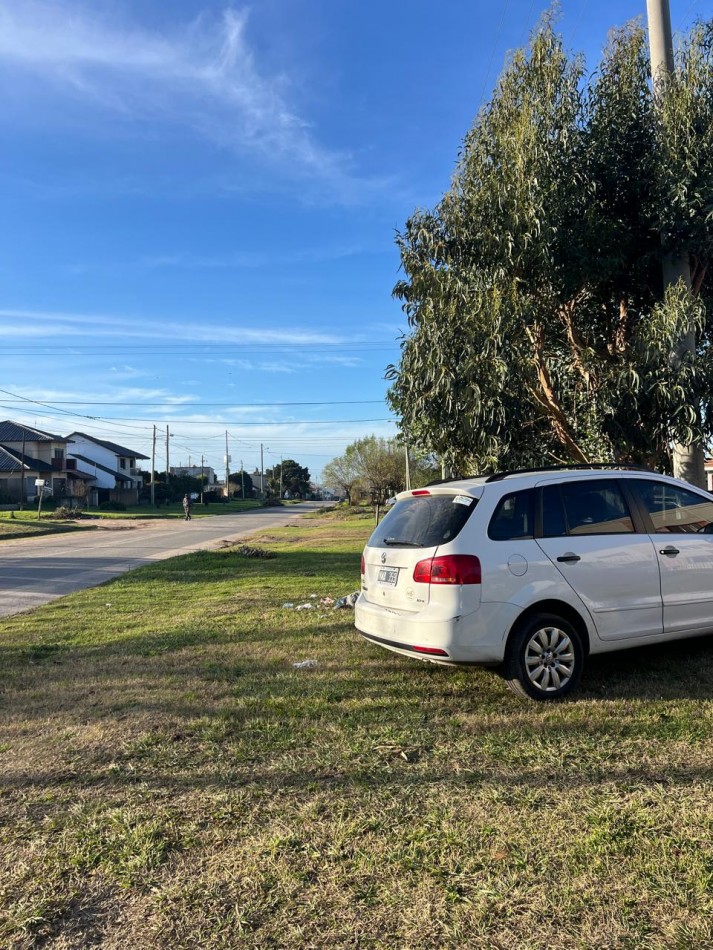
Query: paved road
pixel 34 571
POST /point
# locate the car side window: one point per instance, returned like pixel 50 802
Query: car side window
pixel 595 507
pixel 675 510
pixel 514 517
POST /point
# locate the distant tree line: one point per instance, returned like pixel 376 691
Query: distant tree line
pixel 375 468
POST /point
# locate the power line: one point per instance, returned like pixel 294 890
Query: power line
pixel 206 405
pixel 153 349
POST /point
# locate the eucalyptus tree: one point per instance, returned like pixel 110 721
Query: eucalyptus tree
pixel 539 326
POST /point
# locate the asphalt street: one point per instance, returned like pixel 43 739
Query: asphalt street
pixel 34 571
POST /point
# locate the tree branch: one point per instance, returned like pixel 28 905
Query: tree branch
pixel 698 275
pixel 576 343
pixel 547 398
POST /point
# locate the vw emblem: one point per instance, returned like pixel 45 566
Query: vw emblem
pixel 383 558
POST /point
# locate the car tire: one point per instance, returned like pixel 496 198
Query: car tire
pixel 544 658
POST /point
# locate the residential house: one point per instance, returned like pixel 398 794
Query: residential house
pixel 113 467
pixel 27 455
pixel 259 483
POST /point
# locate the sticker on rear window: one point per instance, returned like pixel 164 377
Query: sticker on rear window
pixel 462 500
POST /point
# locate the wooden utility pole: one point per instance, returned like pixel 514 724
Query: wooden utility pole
pixel 202 479
pixel 688 460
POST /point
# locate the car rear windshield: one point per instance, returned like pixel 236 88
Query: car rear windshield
pixel 423 521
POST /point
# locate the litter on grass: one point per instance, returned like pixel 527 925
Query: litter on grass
pixel 344 603
pixel 304 665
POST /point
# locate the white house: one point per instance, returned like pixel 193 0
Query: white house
pixel 113 466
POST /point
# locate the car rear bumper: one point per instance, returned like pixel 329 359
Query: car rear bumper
pixel 478 637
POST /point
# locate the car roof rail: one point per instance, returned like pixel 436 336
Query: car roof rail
pixel 578 466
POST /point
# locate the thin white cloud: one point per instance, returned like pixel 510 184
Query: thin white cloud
pixel 237 260
pixel 204 77
pixel 71 329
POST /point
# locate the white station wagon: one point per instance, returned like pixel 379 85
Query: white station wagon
pixel 534 570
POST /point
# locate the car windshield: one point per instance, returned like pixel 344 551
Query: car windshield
pixel 423 521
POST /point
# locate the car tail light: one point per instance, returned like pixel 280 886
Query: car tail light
pixel 363 566
pixel 421 491
pixel 450 569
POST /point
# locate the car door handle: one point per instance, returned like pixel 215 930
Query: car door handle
pixel 670 551
pixel 569 558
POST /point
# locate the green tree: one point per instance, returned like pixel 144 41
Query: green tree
pixel 373 465
pixel 291 476
pixel 539 328
pixel 239 479
pixel 342 475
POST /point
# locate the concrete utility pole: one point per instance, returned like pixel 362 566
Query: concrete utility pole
pixel 167 461
pixel 262 470
pixel 688 460
pixel 23 496
pixel 153 468
pixel 227 468
pixel 242 480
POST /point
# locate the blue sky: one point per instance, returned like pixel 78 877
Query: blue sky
pixel 199 201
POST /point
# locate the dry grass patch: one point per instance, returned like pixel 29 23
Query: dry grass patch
pixel 170 779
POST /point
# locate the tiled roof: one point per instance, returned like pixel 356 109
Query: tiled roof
pixel 112 446
pixel 11 461
pixel 119 476
pixel 13 432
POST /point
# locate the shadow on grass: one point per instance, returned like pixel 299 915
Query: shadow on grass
pixel 681 669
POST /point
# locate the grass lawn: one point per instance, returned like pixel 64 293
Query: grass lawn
pixel 169 779
pixel 25 524
pixel 20 527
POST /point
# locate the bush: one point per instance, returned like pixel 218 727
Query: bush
pixel 62 512
pixel 112 506
pixel 272 503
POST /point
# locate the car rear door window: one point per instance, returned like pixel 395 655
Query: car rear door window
pixel 423 521
pixel 595 507
pixel 553 523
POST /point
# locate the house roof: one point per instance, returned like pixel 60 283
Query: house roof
pixel 12 461
pixel 119 476
pixel 112 446
pixel 14 432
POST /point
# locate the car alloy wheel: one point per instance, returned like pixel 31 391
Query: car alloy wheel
pixel 544 658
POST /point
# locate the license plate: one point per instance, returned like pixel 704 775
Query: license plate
pixel 389 576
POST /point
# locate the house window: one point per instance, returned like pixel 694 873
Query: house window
pixel 59 453
pixel 122 463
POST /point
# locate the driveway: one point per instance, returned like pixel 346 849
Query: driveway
pixel 34 571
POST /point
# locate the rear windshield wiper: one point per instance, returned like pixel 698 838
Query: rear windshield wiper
pixel 405 544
